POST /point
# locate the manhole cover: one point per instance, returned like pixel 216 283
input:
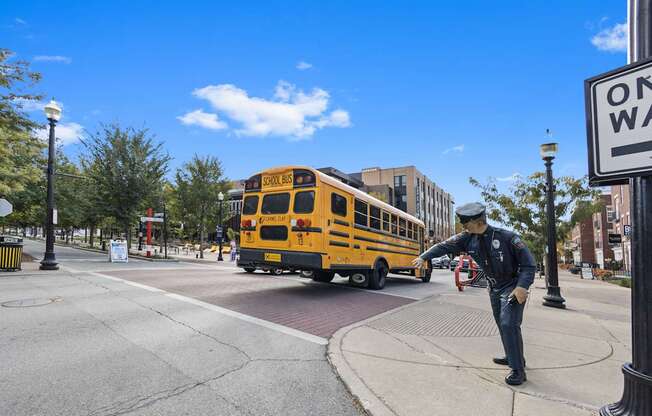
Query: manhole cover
pixel 26 303
pixel 439 320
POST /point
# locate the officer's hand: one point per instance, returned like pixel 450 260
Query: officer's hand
pixel 520 293
pixel 418 262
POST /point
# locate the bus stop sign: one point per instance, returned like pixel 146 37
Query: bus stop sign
pixel 619 123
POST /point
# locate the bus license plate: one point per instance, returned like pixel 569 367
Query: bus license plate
pixel 273 257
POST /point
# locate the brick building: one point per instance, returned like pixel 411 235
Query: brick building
pixel 620 200
pixel 583 242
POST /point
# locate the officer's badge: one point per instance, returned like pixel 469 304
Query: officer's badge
pixel 518 243
pixel 496 244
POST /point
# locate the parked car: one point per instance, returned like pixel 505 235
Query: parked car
pixel 442 262
pixel 575 269
pixel 453 263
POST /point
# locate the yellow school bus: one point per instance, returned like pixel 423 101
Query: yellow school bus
pixel 297 217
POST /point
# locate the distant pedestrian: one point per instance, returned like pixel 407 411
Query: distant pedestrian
pixel 509 268
pixel 234 248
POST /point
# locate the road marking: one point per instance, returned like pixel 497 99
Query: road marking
pixel 237 315
pixel 260 322
pixel 130 283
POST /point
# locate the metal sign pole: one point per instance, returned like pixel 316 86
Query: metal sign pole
pixel 637 393
pixel 150 212
pixel 165 230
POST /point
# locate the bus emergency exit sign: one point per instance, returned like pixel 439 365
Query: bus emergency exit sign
pixel 619 124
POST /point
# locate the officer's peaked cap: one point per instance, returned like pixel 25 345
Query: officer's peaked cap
pixel 470 211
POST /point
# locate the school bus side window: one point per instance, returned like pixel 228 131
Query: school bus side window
pixel 385 221
pixel 250 206
pixel 361 212
pixel 338 205
pixel 394 224
pixel 409 230
pixel 374 217
pixel 401 227
pixel 304 202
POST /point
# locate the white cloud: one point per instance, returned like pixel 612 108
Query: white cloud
pixel 30 105
pixel 515 176
pixel 302 66
pixel 66 133
pixel 292 112
pixel 53 58
pixel 613 39
pixel 200 118
pixel 20 21
pixel 457 149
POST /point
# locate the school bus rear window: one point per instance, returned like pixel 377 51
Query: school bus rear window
pixel 250 205
pixel 276 203
pixel 304 202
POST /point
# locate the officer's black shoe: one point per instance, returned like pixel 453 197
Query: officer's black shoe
pixel 503 361
pixel 516 378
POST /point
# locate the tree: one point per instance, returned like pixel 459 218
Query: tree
pixel 523 208
pixel 127 169
pixel 198 184
pixel 15 76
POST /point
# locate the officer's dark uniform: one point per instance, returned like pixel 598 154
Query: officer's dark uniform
pixel 507 263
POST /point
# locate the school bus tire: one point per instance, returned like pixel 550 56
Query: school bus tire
pixel 378 276
pixel 427 275
pixel 323 276
pixel 308 274
pixel 249 269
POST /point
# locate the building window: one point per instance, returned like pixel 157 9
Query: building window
pixel 400 192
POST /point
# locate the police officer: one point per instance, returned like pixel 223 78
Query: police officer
pixel 509 268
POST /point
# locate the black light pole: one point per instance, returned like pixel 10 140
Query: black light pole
pixel 49 262
pixel 165 230
pixel 220 197
pixel 553 297
pixel 637 391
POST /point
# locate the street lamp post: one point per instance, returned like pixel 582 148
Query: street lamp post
pixel 553 297
pixel 49 262
pixel 220 197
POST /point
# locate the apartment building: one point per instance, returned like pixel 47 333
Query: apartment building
pixel 582 242
pixel 601 229
pixel 413 192
pixel 620 200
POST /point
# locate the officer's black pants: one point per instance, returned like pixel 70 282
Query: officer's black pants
pixel 508 318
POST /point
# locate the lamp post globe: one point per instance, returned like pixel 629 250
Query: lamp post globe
pixel 220 198
pixel 49 262
pixel 553 296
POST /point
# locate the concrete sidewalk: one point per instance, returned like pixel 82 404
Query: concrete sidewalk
pixel 433 357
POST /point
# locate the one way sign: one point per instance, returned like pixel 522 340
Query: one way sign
pixel 619 123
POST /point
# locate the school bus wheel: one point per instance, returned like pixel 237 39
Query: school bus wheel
pixel 322 276
pixel 378 275
pixel 425 278
pixel 249 269
pixel 359 278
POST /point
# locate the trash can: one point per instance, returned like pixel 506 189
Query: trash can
pixel 11 253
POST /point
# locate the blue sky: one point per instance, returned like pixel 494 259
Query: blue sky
pixel 457 89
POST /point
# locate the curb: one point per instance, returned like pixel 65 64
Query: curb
pixel 372 404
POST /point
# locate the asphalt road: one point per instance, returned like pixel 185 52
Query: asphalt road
pixel 146 338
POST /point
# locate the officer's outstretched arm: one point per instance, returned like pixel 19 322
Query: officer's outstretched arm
pixel 455 244
pixel 526 264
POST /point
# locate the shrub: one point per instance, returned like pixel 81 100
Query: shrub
pixel 626 282
pixel 602 274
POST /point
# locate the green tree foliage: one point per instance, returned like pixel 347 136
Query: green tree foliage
pixel 523 207
pixel 127 169
pixel 15 77
pixel 198 184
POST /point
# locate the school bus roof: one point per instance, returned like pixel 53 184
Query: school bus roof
pixel 347 188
